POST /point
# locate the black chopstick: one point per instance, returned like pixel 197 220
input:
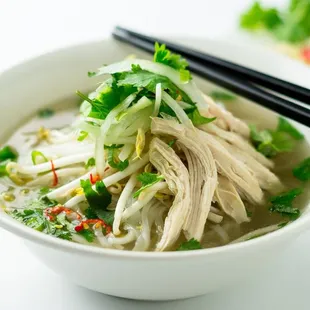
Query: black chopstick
pixel 286 88
pixel 230 81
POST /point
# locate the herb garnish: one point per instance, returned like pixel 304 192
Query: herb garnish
pixel 302 170
pixel 147 179
pixel 190 245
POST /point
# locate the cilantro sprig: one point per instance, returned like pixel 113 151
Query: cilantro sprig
pixel 190 245
pixel 302 170
pixel 271 142
pixel 147 179
pixel 98 200
pixel 283 203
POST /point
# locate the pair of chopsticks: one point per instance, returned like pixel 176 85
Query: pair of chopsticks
pixel 256 86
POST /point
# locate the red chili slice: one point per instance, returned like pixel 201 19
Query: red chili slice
pixel 305 52
pixel 94 178
pixel 80 227
pixel 55 181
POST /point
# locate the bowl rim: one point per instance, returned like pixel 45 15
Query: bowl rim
pixel 34 236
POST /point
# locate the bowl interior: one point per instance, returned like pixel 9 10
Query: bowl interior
pixel 55 76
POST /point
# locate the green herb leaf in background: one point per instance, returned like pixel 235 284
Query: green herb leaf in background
pixel 147 179
pixel 222 96
pixel 302 170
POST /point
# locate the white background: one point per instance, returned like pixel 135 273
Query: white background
pixel 32 27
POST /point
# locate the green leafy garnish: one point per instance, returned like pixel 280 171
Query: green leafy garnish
pixel 35 219
pixel 164 56
pixel 8 152
pixel 283 203
pixel 98 200
pixel 44 190
pixel 116 163
pixel 147 179
pixel 140 78
pixel 172 142
pixel 90 163
pixel 36 155
pixel 285 126
pixel 91 73
pixel 258 17
pixel 46 113
pixel 190 245
pixel 83 135
pixel 271 142
pixel 222 96
pixel 107 99
pixel 292 25
pixel 302 170
pixel 198 119
pixel 3 171
pixel 88 234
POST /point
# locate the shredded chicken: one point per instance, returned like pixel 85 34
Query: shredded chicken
pixel 202 172
pixel 229 200
pixel 236 171
pixel 238 141
pixel 266 179
pixel 168 163
pixel 231 123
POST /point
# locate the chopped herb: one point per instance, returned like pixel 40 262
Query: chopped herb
pixel 302 170
pixel 283 203
pixel 90 163
pixel 285 126
pixel 249 213
pixel 44 190
pixel 83 135
pixel 258 17
pixel 116 163
pixel 291 25
pixel 90 214
pixel 35 219
pixel 172 142
pixel 218 95
pixel 175 61
pixel 3 171
pixel 46 113
pixel 189 245
pixel 91 74
pixel 35 157
pixel 98 200
pixel 8 152
pixel 88 234
pixel 108 98
pixel 147 179
pixel 113 146
pixel 198 119
pixel 140 78
pixel 271 142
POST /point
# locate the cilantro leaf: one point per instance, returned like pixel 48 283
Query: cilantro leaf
pixel 223 96
pixel 117 164
pixel 90 163
pixel 98 200
pixel 198 119
pixel 302 170
pixel 283 203
pixel 175 61
pixel 271 142
pixel 140 78
pixel 34 218
pixel 7 152
pixel 285 126
pixel 258 17
pixel 190 245
pixel 88 235
pixel 147 179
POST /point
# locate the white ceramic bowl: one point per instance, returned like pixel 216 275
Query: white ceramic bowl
pixel 152 276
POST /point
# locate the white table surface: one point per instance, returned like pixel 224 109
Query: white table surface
pixel 32 27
